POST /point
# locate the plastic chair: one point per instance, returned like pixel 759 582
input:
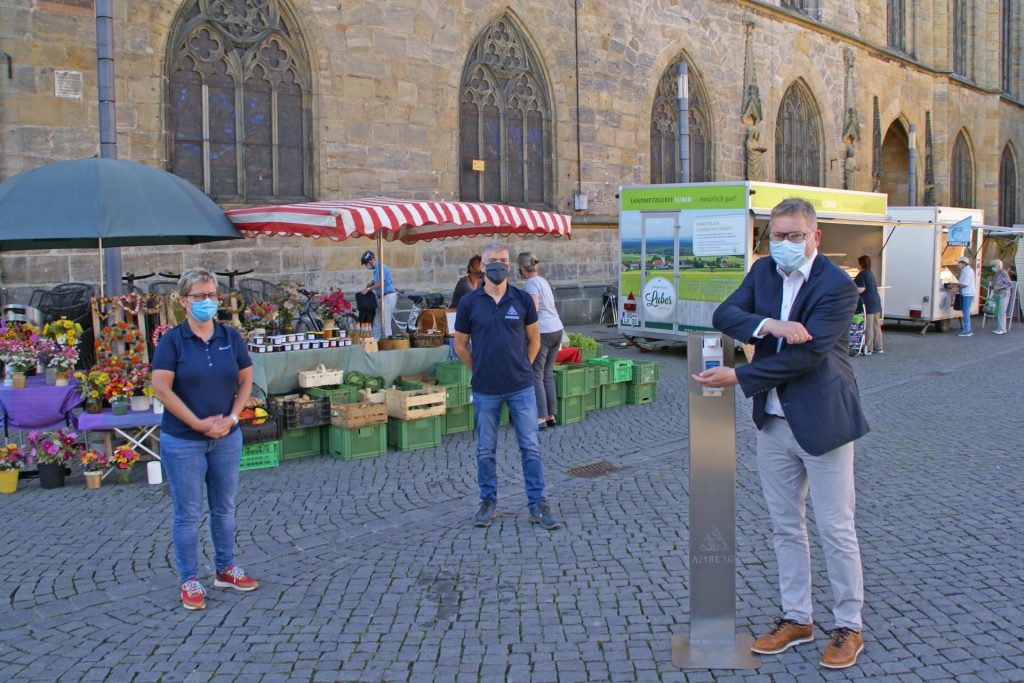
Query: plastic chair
pixel 255 289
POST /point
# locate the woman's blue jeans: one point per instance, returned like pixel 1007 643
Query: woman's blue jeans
pixel 968 301
pixel 189 465
pixel 522 408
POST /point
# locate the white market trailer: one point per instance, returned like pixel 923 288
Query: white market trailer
pixel 921 264
pixel 684 248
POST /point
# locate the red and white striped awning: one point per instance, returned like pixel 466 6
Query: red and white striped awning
pixel 397 219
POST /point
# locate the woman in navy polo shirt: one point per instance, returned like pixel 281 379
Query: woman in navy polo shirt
pixel 203 375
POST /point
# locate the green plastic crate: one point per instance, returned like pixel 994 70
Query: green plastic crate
pixel 259 455
pixel 602 370
pixel 457 395
pixel 408 384
pixel 457 420
pixel 590 377
pixel 592 399
pixel 613 394
pixel 452 372
pixel 641 393
pixel 644 372
pixel 570 380
pixel 570 410
pixel 342 393
pixel 407 435
pixel 587 354
pixel 300 443
pixel 358 442
pixel 622 369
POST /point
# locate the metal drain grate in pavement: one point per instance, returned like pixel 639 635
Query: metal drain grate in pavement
pixel 594 469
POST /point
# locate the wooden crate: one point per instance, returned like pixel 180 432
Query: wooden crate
pixel 361 414
pixel 415 404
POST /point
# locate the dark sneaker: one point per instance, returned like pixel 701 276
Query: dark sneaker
pixel 784 634
pixel 843 649
pixel 541 514
pixel 485 515
pixel 234 577
pixel 193 595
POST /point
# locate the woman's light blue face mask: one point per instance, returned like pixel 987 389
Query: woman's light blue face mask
pixel 205 310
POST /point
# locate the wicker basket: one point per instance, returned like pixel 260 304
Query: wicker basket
pixel 393 343
pixel 426 340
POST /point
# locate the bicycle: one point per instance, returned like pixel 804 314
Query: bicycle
pixel 308 320
pixel 406 321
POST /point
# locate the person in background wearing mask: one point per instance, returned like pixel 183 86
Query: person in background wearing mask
pixel 203 375
pixel 796 308
pixel 1001 291
pixel 968 290
pixel 468 282
pixel 550 339
pixel 502 322
pixel 382 286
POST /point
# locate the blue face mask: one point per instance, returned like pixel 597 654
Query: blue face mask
pixel 497 272
pixel 789 256
pixel 204 310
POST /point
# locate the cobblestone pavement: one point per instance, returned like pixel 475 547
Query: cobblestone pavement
pixel 371 570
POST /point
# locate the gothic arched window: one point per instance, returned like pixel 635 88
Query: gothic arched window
pixel 1007 188
pixel 505 120
pixel 239 91
pixel 961 176
pixel 897 35
pixel 798 139
pixel 960 23
pixel 1009 51
pixel 665 130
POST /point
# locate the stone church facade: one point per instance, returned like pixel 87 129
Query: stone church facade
pixel 265 101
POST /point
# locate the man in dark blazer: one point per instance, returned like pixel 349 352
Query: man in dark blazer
pixel 795 307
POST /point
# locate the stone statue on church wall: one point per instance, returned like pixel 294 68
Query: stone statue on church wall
pixel 850 167
pixel 754 154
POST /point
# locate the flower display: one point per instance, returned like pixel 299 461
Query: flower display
pixel 332 303
pixel 92 384
pixel 119 388
pixel 159 331
pixel 134 343
pixel 260 314
pixel 66 358
pixel 20 354
pixel 53 448
pixel 63 331
pixel 141 379
pixel 124 457
pixel 13 457
pixel 12 329
pixel 93 461
pixel 290 304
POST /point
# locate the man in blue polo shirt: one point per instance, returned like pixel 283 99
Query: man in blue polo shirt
pixel 382 286
pixel 502 322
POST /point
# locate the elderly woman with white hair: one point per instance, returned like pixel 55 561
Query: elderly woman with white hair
pixel 1000 289
pixel 550 339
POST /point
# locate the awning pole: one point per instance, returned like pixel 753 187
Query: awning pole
pixel 101 266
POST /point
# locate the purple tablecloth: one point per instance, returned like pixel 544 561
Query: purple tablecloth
pixel 39 405
pixel 106 420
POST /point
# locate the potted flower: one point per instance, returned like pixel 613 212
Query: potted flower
pixel 46 351
pixel 124 458
pixel 19 356
pixel 63 362
pixel 289 305
pixel 51 451
pixel 260 314
pixel 12 459
pixel 63 331
pixel 118 392
pixel 331 304
pixel 140 378
pixel 92 385
pixel 93 464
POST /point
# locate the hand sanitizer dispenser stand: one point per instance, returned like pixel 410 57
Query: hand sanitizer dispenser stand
pixel 712 642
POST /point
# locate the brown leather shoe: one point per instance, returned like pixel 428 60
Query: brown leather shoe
pixel 784 634
pixel 843 649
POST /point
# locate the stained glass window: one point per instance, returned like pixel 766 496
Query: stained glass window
pixel 239 93
pixel 961 177
pixel 798 139
pixel 665 130
pixel 505 121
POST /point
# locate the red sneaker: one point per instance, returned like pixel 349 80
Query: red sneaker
pixel 193 595
pixel 234 577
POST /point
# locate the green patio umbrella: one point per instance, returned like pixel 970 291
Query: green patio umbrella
pixel 97 203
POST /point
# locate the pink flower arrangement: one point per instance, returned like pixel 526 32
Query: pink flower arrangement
pixel 94 461
pixel 20 354
pixel 13 457
pixel 332 304
pixel 124 457
pixel 65 359
pixel 260 314
pixel 53 448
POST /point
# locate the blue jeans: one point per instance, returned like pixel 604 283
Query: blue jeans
pixel 968 301
pixel 522 407
pixel 190 464
pixel 543 373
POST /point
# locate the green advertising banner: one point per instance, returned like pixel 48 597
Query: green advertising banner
pixel 765 196
pixel 676 198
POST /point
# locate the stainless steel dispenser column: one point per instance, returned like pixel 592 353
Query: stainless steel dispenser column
pixel 712 642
